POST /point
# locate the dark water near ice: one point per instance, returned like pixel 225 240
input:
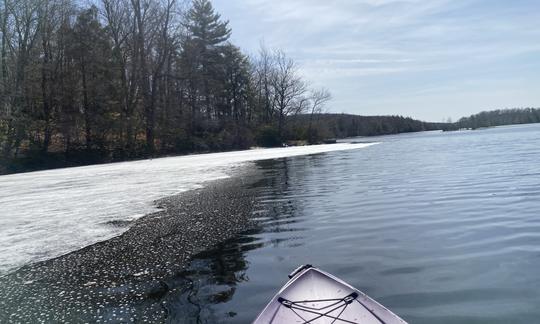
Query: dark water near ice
pixel 439 227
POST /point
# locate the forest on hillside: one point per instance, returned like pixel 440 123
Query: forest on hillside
pixel 347 125
pixel 500 117
pixel 343 125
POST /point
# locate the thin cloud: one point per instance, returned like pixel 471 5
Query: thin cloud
pixel 399 46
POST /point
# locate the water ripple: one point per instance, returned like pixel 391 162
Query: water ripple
pixel 440 227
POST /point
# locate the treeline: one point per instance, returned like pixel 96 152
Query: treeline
pixel 346 125
pixel 123 79
pixel 500 118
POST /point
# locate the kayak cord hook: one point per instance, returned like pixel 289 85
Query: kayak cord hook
pixel 300 306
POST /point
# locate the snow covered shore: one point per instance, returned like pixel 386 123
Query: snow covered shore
pixel 49 213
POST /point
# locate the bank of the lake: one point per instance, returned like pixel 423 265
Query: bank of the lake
pixel 42 210
pixel 121 280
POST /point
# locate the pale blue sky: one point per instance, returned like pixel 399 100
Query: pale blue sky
pixel 429 59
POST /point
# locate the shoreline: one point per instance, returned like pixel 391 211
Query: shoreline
pixel 8 172
pixel 311 149
pixel 35 227
pixel 134 267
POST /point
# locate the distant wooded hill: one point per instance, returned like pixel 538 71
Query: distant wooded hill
pixel 346 125
pixel 500 117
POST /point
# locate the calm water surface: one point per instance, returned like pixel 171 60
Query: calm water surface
pixel 439 227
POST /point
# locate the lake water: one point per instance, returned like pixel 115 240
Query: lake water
pixel 439 227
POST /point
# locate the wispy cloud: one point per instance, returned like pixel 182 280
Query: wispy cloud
pixel 364 47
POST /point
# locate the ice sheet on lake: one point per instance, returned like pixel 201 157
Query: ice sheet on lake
pixel 46 214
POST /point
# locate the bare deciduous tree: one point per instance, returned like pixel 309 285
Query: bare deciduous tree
pixel 288 88
pixel 318 99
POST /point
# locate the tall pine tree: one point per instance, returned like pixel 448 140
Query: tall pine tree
pixel 203 49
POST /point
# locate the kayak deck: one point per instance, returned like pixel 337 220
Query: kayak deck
pixel 314 296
